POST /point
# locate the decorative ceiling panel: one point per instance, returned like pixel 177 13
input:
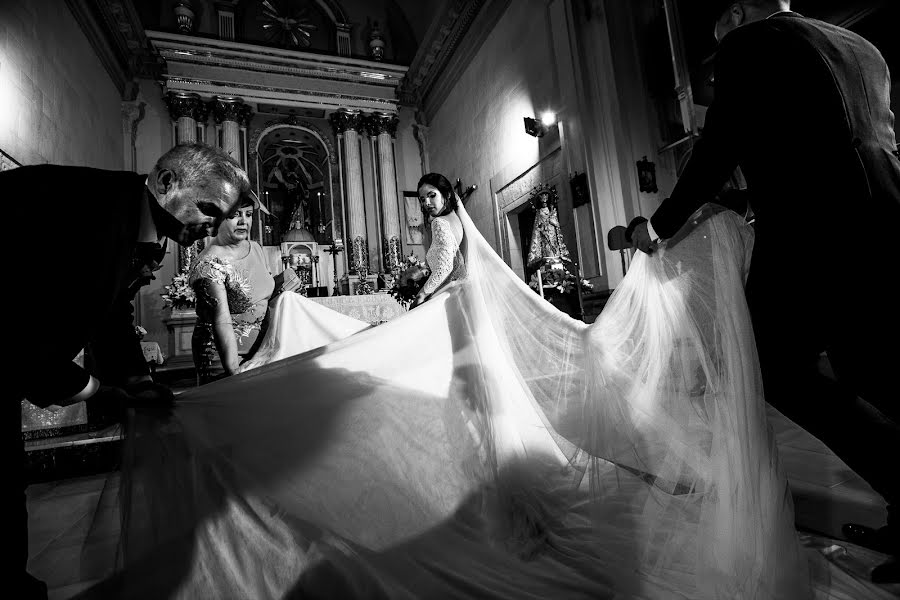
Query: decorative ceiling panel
pixel 271 75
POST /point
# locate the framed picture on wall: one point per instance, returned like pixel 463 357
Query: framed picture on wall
pixel 7 162
pixel 415 218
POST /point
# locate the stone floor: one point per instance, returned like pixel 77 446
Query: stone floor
pixel 73 523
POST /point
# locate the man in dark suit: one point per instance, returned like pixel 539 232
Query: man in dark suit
pixel 803 108
pixel 69 299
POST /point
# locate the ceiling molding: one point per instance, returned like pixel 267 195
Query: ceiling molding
pixel 96 33
pixel 117 36
pixel 447 77
pixel 212 67
pixel 438 48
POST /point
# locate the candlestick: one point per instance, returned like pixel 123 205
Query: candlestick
pixel 334 250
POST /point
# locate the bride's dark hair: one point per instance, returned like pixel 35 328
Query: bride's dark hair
pixel 442 184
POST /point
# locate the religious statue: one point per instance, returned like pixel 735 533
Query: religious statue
pixel 298 197
pixel 552 273
pixel 546 238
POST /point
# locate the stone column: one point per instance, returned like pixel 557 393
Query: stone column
pixel 383 126
pixel 186 109
pixel 229 112
pixel 132 114
pixel 346 124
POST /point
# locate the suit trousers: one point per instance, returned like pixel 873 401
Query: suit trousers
pixel 28 587
pixel 801 312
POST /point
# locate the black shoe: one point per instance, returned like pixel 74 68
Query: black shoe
pixel 883 540
pixel 888 572
pixel 33 588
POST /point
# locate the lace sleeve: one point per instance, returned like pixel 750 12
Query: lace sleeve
pixel 204 278
pixel 213 269
pixel 440 255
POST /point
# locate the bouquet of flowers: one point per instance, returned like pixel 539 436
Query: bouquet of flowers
pixel 179 294
pixel 406 286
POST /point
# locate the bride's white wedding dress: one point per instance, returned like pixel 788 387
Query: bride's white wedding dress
pixel 485 445
pixel 298 325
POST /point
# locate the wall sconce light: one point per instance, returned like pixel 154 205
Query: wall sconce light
pixel 538 128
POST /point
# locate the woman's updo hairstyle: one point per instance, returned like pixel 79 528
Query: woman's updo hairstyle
pixel 442 184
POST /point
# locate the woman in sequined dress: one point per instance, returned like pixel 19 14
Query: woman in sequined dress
pixel 241 312
pixel 233 285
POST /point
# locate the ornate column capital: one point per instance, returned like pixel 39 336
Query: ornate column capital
pixel 246 115
pixel 378 123
pixel 202 113
pixel 229 108
pixel 185 104
pixel 345 119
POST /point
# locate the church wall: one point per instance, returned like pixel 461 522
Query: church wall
pixel 620 122
pixel 57 102
pixel 411 164
pixel 583 61
pixel 478 131
pixel 639 135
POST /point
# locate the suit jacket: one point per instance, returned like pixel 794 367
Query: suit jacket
pixel 803 107
pixel 111 355
pixel 71 273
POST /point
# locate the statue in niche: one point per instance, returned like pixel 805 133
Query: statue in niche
pixel 295 168
pixel 546 238
pixel 298 198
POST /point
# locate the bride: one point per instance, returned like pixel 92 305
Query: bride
pixel 297 325
pixel 484 445
pixel 444 256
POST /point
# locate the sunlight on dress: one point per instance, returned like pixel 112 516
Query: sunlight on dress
pixel 484 445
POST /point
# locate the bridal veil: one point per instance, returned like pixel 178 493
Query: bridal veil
pixel 484 445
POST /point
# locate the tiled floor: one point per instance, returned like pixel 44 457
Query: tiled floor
pixel 73 523
pixel 72 531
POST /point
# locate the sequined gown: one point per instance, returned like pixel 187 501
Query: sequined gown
pixel 249 286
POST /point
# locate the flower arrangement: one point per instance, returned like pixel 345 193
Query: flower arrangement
pixel 179 294
pixel 413 274
pixel 555 275
pixel 140 332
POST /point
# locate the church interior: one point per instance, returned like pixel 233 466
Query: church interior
pixel 572 115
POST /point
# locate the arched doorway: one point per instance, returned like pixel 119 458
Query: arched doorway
pixel 293 172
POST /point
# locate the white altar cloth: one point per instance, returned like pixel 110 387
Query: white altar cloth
pixel 371 308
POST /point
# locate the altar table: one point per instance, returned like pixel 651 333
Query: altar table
pixel 371 308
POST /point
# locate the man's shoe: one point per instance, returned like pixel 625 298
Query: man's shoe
pixel 888 572
pixel 33 588
pixel 883 539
